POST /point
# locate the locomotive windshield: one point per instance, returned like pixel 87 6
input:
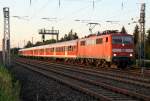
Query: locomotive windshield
pixel 122 40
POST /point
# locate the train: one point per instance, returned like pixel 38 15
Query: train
pixel 101 50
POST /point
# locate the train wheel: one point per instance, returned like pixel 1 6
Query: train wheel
pixel 108 65
pixel 114 66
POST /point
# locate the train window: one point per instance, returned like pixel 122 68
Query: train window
pixel 58 49
pixel 74 47
pixel 69 48
pixel 52 49
pixel 90 42
pixel 82 43
pixel 106 39
pixel 64 48
pixel 99 41
pixel 47 50
pixel 41 51
pixel 61 49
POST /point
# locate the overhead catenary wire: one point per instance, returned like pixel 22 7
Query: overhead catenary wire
pixel 39 10
pixel 82 9
pixel 45 5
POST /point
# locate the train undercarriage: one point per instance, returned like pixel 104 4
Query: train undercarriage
pixel 93 63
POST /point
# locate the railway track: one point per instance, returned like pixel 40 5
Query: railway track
pixel 129 70
pixel 106 75
pixel 111 72
pixel 134 73
pixel 104 87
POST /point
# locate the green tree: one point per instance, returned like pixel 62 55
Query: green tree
pixel 75 36
pixel 14 50
pixel 136 37
pixel 123 30
pixel 147 51
pixel 38 43
pixel 50 41
pixel 148 37
pixel 29 44
pixel 70 36
pixel 136 34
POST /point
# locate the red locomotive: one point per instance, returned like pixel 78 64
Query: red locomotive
pixel 101 50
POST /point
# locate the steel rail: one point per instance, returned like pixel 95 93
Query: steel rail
pixel 72 84
pixel 129 79
pixel 133 86
pixel 125 92
pixel 126 75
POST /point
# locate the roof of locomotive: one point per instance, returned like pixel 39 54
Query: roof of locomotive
pixel 93 36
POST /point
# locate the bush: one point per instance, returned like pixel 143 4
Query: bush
pixel 9 88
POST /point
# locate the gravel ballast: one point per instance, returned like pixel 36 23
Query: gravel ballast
pixel 36 87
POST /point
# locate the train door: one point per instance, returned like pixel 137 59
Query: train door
pixel 106 48
pixel 54 51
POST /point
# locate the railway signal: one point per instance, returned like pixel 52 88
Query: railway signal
pixel 48 32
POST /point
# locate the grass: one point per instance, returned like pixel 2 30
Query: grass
pixel 9 88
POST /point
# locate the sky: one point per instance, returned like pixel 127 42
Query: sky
pixel 65 15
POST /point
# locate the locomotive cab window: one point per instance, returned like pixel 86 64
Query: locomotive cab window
pixel 122 40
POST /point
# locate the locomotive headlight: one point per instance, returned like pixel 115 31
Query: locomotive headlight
pixel 131 54
pixel 115 54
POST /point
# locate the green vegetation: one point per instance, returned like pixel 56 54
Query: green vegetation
pixel 136 37
pixel 9 88
pixel 71 36
pixel 14 51
pixel 147 42
pixel 123 30
pixel 148 45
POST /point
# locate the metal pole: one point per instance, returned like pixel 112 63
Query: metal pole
pixel 142 38
pixel 3 51
pixel 6 39
pixel 32 40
